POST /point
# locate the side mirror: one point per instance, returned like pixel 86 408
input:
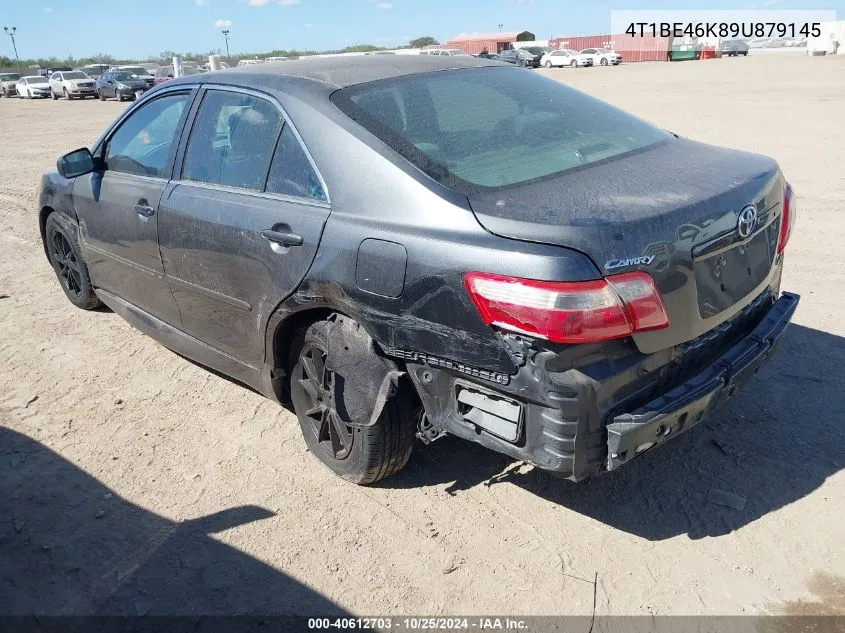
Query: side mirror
pixel 76 163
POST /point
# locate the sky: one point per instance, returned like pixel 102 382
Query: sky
pixel 137 29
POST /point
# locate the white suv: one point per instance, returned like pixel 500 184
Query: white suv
pixel 72 84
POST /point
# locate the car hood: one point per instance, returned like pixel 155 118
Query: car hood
pixel 76 82
pixel 38 86
pixel 132 83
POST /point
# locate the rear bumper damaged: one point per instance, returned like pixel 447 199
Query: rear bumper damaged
pixel 683 407
pixel 582 416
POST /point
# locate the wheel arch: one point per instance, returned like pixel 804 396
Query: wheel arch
pixel 45 212
pixel 283 328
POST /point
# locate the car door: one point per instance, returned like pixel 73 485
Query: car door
pixel 117 204
pixel 56 83
pixel 240 227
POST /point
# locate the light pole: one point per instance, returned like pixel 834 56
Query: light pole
pixel 225 33
pixel 15 46
pixel 500 27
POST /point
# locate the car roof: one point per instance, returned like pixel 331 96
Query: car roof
pixel 341 72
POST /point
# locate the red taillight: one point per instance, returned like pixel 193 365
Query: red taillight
pixel 569 312
pixel 787 217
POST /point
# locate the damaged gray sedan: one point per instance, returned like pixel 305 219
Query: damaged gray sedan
pixel 409 247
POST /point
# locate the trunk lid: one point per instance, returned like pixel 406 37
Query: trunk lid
pixel 673 211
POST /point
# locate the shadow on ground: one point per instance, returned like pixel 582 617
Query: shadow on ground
pixel 774 443
pixel 70 546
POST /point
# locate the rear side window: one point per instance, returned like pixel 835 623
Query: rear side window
pixel 291 172
pixel 485 128
pixel 232 140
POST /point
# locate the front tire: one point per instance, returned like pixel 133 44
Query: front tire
pixel 61 237
pixel 55 96
pixel 548 64
pixel 359 455
pixel 101 95
pixel 67 95
pixel 603 61
pixel 574 63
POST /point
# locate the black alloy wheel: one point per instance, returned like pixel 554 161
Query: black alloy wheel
pixel 318 388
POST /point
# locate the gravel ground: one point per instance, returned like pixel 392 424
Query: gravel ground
pixel 133 481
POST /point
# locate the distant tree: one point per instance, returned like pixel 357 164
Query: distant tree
pixel 420 42
pixel 361 48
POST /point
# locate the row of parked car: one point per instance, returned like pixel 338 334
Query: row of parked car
pixel 94 81
pixel 536 56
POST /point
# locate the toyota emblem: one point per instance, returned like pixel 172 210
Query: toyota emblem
pixel 747 222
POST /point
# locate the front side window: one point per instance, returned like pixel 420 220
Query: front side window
pixel 142 144
pixel 291 172
pixel 232 140
pixel 493 127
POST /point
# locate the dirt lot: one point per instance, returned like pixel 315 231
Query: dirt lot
pixel 133 481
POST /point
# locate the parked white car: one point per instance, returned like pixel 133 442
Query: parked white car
pixel 603 57
pixel 250 62
pixel 33 87
pixel 565 58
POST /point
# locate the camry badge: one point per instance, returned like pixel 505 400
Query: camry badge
pixel 630 261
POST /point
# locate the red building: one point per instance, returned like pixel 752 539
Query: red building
pixel 491 42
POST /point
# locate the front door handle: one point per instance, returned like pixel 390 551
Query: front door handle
pixel 144 210
pixel 283 239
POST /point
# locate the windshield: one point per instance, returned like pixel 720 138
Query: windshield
pixel 36 80
pixel 493 127
pixel 74 75
pixel 124 76
pixel 9 77
pixel 571 52
pixel 135 70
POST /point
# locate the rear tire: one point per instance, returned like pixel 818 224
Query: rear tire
pixel 359 455
pixel 61 238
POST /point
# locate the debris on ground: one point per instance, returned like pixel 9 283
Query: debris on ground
pixel 727 499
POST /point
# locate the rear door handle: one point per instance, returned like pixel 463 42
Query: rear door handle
pixel 144 211
pixel 283 239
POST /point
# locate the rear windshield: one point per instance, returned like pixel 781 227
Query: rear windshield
pixel 493 127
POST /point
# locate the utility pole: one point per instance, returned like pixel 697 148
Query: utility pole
pixel 15 46
pixel 500 27
pixel 225 33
